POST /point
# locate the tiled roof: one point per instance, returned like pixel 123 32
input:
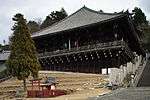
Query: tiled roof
pixel 82 17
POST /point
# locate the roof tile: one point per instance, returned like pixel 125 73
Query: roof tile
pixel 82 17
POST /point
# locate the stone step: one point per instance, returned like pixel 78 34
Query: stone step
pixel 145 77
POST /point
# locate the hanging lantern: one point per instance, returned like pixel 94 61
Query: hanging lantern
pixel 98 56
pixel 110 52
pixel 104 53
pixel 87 58
pixel 116 54
pixel 116 35
pixel 92 57
pixel 119 51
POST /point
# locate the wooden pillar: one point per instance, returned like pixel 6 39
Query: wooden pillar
pixel 107 70
pixel 93 68
pixel 78 70
pixel 100 70
pixel 72 68
pixel 63 67
pixel 69 43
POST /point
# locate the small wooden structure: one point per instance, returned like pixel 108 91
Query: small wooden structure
pixel 35 88
pixel 39 89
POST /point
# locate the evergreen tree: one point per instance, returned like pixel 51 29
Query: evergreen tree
pixel 33 26
pixel 141 23
pixel 47 22
pixel 22 61
pixel 101 11
pixel 54 17
pixel 146 39
pixel 139 17
pixel 63 13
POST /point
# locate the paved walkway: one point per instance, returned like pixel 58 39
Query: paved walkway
pixel 140 93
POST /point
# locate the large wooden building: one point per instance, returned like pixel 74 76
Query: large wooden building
pixel 88 41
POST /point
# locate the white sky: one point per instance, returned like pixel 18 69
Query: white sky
pixel 33 9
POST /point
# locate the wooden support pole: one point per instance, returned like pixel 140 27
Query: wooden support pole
pixel 69 42
pixel 107 70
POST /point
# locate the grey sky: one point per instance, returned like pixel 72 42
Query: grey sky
pixel 33 9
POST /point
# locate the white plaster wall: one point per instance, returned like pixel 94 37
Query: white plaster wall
pixel 125 71
pixel 104 71
pixel 109 70
pixel 113 76
pixel 121 74
pixel 129 67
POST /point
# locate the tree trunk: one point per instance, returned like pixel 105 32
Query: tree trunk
pixel 24 84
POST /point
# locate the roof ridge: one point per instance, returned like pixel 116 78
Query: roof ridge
pixel 100 12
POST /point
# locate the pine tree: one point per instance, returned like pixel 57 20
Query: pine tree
pixel 101 11
pixel 63 13
pixel 33 26
pixel 22 61
pixel 139 17
pixel 47 22
pixel 54 17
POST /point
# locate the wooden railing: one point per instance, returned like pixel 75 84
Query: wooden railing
pixel 98 46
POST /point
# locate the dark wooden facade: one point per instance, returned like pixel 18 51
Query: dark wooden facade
pixel 88 48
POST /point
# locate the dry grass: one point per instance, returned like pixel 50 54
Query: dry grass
pixel 79 85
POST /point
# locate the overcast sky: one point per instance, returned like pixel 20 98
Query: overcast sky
pixel 33 9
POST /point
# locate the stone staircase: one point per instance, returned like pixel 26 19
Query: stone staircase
pixel 144 80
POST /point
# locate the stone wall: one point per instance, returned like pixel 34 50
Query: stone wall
pixel 118 74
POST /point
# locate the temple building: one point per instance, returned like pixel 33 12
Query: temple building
pixel 87 41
